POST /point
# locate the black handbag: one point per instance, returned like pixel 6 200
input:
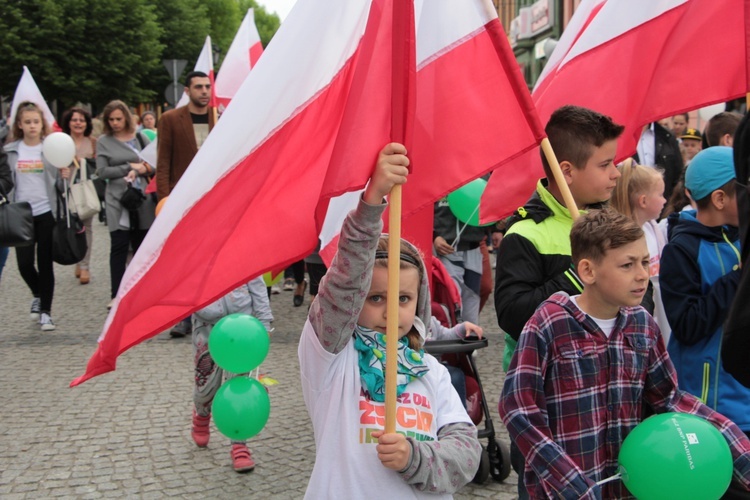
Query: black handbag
pixel 68 237
pixel 16 223
pixel 132 198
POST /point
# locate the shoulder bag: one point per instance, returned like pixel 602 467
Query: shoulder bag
pixel 83 194
pixel 16 223
pixel 68 236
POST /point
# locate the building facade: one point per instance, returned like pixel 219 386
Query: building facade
pixel 533 27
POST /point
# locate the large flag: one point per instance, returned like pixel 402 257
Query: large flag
pixel 637 61
pixel 205 63
pixel 27 90
pixel 241 57
pixel 320 110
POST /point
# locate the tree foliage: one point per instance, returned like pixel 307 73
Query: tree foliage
pixel 94 51
pixel 80 50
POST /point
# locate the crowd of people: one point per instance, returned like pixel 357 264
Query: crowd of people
pixel 607 318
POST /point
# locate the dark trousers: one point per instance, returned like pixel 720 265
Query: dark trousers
pixel 517 462
pixel 40 278
pixel 121 241
pixel 296 271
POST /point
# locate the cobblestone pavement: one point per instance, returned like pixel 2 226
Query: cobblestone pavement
pixel 126 433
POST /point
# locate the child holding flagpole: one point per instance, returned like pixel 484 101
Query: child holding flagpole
pixel 435 450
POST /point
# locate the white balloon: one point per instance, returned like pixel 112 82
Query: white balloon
pixel 710 111
pixel 59 149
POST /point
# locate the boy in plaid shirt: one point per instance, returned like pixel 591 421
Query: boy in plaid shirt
pixel 586 365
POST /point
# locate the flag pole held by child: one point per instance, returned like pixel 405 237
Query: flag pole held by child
pixel 402 114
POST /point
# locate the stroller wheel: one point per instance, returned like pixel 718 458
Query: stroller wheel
pixel 499 460
pixel 484 468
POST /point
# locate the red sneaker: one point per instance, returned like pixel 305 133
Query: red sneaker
pixel 241 459
pixel 201 432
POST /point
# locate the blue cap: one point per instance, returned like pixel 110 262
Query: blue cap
pixel 709 170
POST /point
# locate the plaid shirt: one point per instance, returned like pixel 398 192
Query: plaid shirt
pixel 572 395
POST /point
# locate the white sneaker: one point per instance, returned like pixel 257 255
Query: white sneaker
pixel 46 322
pixel 275 290
pixel 36 308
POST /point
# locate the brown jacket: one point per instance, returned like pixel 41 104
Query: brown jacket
pixel 176 148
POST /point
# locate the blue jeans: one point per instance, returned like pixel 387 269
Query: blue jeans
pixel 458 380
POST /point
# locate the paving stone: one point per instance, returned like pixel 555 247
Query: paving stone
pixel 127 433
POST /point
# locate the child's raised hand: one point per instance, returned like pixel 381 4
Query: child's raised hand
pixel 472 329
pixel 394 451
pixel 390 170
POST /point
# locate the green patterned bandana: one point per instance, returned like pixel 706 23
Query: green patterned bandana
pixel 371 348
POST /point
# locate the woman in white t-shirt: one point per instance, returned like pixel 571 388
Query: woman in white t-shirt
pixel 36 181
pixel 640 195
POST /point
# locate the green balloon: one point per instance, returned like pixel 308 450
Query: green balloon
pixel 464 202
pixel 151 134
pixel 238 343
pixel 241 408
pixel 676 456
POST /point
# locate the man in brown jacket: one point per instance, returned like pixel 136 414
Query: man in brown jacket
pixel 181 132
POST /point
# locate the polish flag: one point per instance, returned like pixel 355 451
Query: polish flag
pixel 241 57
pixel 321 100
pixel 205 63
pixel 27 90
pixel 637 61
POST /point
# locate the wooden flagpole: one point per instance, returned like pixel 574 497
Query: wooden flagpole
pixel 402 107
pixel 391 345
pixel 559 178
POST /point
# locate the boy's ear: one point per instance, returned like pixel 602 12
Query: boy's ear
pixel 586 272
pixel 720 199
pixel 566 167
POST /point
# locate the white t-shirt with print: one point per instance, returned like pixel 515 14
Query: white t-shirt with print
pixel 31 184
pixel 343 417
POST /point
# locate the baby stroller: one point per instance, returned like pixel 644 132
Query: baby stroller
pixel 446 307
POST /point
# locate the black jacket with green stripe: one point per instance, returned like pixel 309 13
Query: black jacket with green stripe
pixel 533 262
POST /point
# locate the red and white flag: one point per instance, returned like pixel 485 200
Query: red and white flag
pixel 27 90
pixel 241 57
pixel 638 61
pixel 205 63
pixel 321 110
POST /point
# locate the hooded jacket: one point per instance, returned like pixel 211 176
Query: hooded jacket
pixel 533 262
pixel 699 277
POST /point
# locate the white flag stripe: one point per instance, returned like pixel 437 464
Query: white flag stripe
pixel 27 90
pixel 628 16
pixel 236 65
pixel 568 37
pixel 440 25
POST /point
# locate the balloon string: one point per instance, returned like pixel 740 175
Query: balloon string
pixel 613 478
pixel 458 233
